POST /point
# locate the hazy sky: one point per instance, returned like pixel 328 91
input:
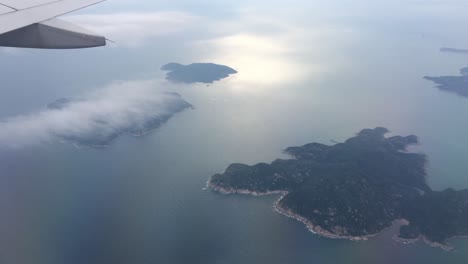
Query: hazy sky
pixel 270 43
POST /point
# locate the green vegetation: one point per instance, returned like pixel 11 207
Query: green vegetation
pixel 355 189
pixel 196 72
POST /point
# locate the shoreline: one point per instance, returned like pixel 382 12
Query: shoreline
pixel 422 238
pixel 318 230
pixel 311 227
pixel 229 191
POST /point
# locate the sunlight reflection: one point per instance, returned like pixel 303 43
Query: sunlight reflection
pixel 259 59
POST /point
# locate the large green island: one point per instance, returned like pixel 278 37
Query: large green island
pixel 355 189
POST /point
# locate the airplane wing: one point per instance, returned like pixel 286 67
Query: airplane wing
pixel 33 24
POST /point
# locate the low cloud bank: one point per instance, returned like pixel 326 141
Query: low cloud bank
pixel 95 119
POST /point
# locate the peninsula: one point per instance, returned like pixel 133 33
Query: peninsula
pixel 356 189
pixel 453 84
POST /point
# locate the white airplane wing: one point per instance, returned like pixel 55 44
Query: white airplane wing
pixel 33 24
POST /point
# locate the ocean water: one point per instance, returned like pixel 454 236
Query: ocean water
pixel 308 72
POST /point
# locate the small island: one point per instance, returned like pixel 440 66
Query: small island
pixel 103 129
pixel 196 72
pixel 453 84
pixel 59 104
pixel 454 50
pixel 464 71
pixel 356 189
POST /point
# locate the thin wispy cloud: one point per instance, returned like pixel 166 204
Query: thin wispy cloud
pixel 135 28
pixel 133 107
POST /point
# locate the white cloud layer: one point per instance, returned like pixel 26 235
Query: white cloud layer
pixel 110 111
pixel 134 28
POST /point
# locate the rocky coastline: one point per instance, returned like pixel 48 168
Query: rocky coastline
pixel 355 190
pixel 316 229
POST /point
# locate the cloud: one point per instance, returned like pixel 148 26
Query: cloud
pixel 134 107
pixel 135 28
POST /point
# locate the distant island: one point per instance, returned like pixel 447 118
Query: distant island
pixel 454 84
pixel 59 104
pixel 196 72
pixel 102 130
pixel 464 71
pixel 356 189
pixel 453 50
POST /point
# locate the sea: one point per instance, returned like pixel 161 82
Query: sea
pixel 308 71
